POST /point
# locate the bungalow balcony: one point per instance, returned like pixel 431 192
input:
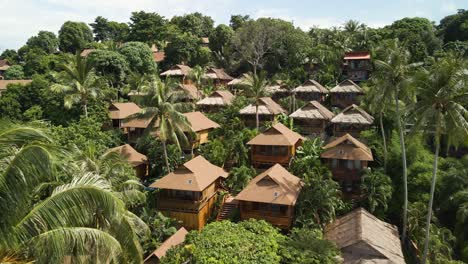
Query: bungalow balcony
pixel 354 129
pixel 345 99
pixel 270 155
pixel 278 215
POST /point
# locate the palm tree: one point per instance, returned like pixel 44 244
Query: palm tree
pixel 440 110
pixel 196 75
pixel 79 82
pixel 162 103
pixel 81 220
pixel 392 78
pixel 256 85
pixel 377 188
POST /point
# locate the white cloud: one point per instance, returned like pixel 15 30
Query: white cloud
pixel 448 7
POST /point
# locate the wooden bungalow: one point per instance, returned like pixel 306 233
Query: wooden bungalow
pixel 347 157
pixel 271 196
pixel 312 119
pixel 311 90
pixel 4 84
pixel 189 193
pixel 357 65
pixel 277 144
pixel 218 76
pixel 201 126
pixel 277 90
pixel 176 239
pixel 191 91
pixel 267 111
pixel 138 161
pixel 180 72
pixel 135 128
pixel 217 100
pixel 158 56
pixel 238 84
pixel 4 65
pixel 120 111
pixel 363 238
pixel 345 94
pixel 352 120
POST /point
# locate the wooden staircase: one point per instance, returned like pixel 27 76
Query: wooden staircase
pixel 228 206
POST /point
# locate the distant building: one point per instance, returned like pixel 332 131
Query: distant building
pixel 4 65
pixel 118 112
pixel 216 101
pixel 174 240
pixel 353 120
pixel 277 90
pixel 138 161
pixel 311 90
pixel 357 65
pixel 5 83
pixel 189 193
pixel 271 196
pixel 312 119
pixel 278 144
pixel 218 76
pixel 192 94
pixel 180 72
pixel 365 239
pixel 345 94
pixel 158 56
pixel 267 110
pixel 86 52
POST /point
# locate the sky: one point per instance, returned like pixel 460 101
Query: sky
pixel 21 19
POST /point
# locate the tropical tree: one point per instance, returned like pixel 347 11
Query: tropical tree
pixel 239 177
pixel 69 219
pixel 79 82
pixel 163 106
pixel 394 80
pixel 377 188
pixel 440 110
pixel 256 85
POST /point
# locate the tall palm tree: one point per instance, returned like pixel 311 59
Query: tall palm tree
pixel 196 75
pixel 82 220
pixel 439 110
pixel 79 82
pixel 162 104
pixel 393 77
pixel 256 85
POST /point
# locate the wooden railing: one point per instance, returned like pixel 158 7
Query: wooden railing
pixel 282 221
pixel 264 159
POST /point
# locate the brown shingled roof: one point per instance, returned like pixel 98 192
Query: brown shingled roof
pixel 313 110
pixel 353 114
pixel 123 110
pixel 347 86
pixel 219 98
pixel 191 90
pixel 357 55
pixel 348 148
pixel 195 175
pixel 359 232
pixel 130 154
pixel 177 70
pixel 5 83
pixel 198 121
pixel 274 186
pixel 277 135
pixel 266 107
pixel 176 239
pixel 311 86
pixel 4 65
pixel 217 74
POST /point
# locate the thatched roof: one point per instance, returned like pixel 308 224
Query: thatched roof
pixel 275 88
pixel 177 70
pixel 4 65
pixel 311 86
pixel 274 186
pixel 217 74
pixel 266 107
pixel 86 52
pixel 5 83
pixel 313 110
pixel 347 86
pixel 277 135
pixel 133 157
pixel 347 148
pixel 176 239
pixel 362 236
pixel 199 122
pixel 194 175
pixel 217 98
pixel 191 91
pixel 357 55
pixel 241 80
pixel 353 114
pixel 123 110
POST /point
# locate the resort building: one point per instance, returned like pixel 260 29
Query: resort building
pixel 4 65
pixel 158 56
pixel 363 238
pixel 192 94
pixel 118 112
pixel 176 239
pixel 5 83
pixel 216 101
pixel 312 119
pixel 218 77
pixel 357 65
pixel 352 120
pixel 346 157
pixel 179 72
pixel 267 111
pixel 271 196
pixel 189 193
pixel 138 161
pixel 277 144
pixel 277 90
pixel 311 90
pixel 345 94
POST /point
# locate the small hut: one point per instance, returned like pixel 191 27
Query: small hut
pixel 180 72
pixel 138 161
pixel 158 56
pixel 4 65
pixel 363 238
pixel 176 239
pixel 119 111
pixel 352 120
pixel 271 196
pixel 191 91
pixel 345 94
pixel 201 126
pixel 267 110
pixel 218 76
pixel 135 128
pixel 311 90
pixel 357 65
pixel 277 144
pixel 312 119
pixel 5 83
pixel 217 100
pixel 347 157
pixel 238 84
pixel 189 193
pixel 277 90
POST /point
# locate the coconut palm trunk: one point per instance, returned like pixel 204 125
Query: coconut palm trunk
pixel 256 116
pixel 403 161
pixel 384 140
pixel 166 159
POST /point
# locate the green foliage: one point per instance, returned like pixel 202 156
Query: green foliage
pixel 239 177
pixel 105 30
pixel 45 40
pixel 215 152
pixel 147 27
pixel 10 55
pixel 307 156
pixel 161 228
pixel 454 27
pixel 139 57
pixel 111 65
pixel 186 48
pixel 377 189
pixel 74 36
pixel 15 72
pixel 195 23
pixel 238 21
